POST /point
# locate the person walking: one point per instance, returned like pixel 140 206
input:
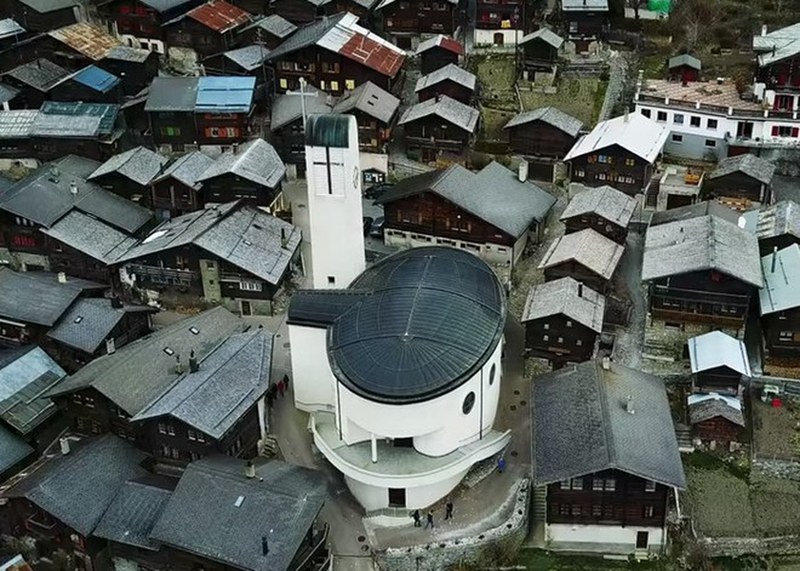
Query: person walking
pixel 448 510
pixel 429 523
pixel 416 516
pixel 281 387
pixel 501 464
pixel 285 382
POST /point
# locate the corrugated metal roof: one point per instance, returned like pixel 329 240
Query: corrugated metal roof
pixel 219 16
pixel 440 41
pixel 781 289
pixel 97 79
pixel 9 27
pixel 225 94
pixel 88 39
pixel 777 219
pixel 75 119
pixel 633 132
pixel 718 349
pixel 446 108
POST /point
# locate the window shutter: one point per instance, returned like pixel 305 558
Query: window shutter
pixel 775 131
pixel 795 131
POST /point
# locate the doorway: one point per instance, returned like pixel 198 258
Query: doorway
pixel 246 308
pixel 498 38
pixel 642 539
pixel 397 497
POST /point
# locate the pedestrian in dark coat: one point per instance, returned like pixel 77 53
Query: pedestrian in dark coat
pixel 416 516
pixel 430 520
pixel 501 464
pixel 448 511
pixel 286 382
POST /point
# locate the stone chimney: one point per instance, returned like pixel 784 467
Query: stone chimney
pixel 64 444
pixel 62 278
pixel 629 404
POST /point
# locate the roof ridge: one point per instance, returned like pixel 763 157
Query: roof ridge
pixel 607 433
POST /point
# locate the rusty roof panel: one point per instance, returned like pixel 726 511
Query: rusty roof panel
pixel 372 54
pixel 87 39
pixel 220 16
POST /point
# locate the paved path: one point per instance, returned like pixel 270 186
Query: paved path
pixel 617 76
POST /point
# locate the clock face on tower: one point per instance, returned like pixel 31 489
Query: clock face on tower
pixel 355 177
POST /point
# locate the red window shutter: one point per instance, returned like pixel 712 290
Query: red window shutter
pixel 795 131
pixel 775 131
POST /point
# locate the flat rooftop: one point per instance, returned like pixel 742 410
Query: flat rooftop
pixel 706 93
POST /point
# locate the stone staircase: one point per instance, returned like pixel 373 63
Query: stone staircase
pixel 539 504
pixel 269 448
pixel 684 435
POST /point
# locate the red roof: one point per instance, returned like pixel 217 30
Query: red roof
pixel 451 45
pixel 220 16
pixel 372 54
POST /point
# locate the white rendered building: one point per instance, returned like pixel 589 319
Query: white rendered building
pixel 402 373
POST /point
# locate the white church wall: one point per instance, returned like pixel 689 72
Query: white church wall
pixel 313 382
pixel 618 538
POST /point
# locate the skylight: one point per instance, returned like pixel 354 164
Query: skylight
pixel 168 351
pixel 194 330
pixel 78 319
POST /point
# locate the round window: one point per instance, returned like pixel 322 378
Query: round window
pixel 491 374
pixel 469 402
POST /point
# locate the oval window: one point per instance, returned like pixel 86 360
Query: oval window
pixel 491 374
pixel 469 402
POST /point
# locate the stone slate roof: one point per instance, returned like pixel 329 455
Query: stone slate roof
pixel 777 219
pixel 41 74
pixel 320 308
pixel 274 24
pixel 248 57
pixel 444 107
pixel 684 59
pixel 708 207
pixel 91 237
pixel 633 132
pixel 256 161
pixel 450 72
pixel 45 6
pixel 370 99
pixel 281 503
pixel 13 449
pixel 750 165
pixel 781 272
pixel 9 27
pixel 75 119
pixel 581 425
pixel 25 374
pixel 717 349
pixel 701 244
pixel 89 322
pixel 127 53
pixel 187 169
pixel 242 235
pixel 7 93
pixel 141 165
pixel 38 297
pixel 588 248
pixel 777 45
pixel 287 108
pixel 605 201
pixel 132 515
pixel 230 381
pixel 714 407
pixel 140 372
pixel 494 194
pixel 78 488
pixel 441 41
pixel 561 297
pixel 546 35
pixel 550 115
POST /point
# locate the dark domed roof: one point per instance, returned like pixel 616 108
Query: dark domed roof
pixel 431 320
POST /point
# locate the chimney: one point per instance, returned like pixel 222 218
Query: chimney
pixel 774 259
pixel 742 222
pixel 39 61
pixel 629 404
pixel 522 172
pixel 62 278
pixel 264 545
pixel 606 363
pixel 73 188
pixel 111 346
pixel 283 238
pixel 235 148
pixel 64 443
pixel 249 470
pixel 178 365
pixel 580 289
pixel 764 30
pixel 193 366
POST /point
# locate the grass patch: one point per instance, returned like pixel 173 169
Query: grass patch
pixel 653 66
pixel 539 560
pixel 575 96
pixel 599 99
pixel 492 122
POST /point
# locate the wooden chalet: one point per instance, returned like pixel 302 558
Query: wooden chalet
pixel 622 152
pixel 776 226
pixel 200 260
pixel 587 256
pixel 139 23
pixel 543 137
pixel 286 124
pixel 406 20
pixel 450 80
pixel 562 321
pixel 170 110
pixel 375 111
pixel 741 182
pixel 719 363
pixel 267 31
pixel 336 54
pixel 176 190
pixel 440 129
pixel 437 52
pixel 540 52
pixel 223 109
pixel 586 22
pixel 129 174
pixel 717 421
pixel 15 128
pixel 779 303
pixel 75 46
pixel 684 68
pixel 604 209
pixel 701 270
pixel 499 23
pixel 778 67
pixel 44 15
pixel 457 208
pixel 137 120
pixel 604 494
pixel 209 29
pixel 136 67
pixel 91 84
pixel 34 80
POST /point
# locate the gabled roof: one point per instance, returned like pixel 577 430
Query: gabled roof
pixel 90 236
pixel 242 235
pixel 444 107
pixel 75 119
pixel 248 57
pixel 41 74
pixel 320 307
pixel 140 372
pixel 550 115
pixel 588 248
pixel 707 406
pixel 701 244
pixel 172 94
pixel 13 449
pixel 45 6
pixel 230 381
pixel 26 373
pixel 384 3
pixel 219 16
pixel 38 297
pixel 274 24
pixel 89 322
pixel 781 289
pixel 78 488
pixel 566 296
pixel 9 27
pixel 141 165
pixel 494 195
pixel 87 39
pixel 343 35
pixel 450 72
pixel 17 123
pixel 187 169
pixel 256 161
pixel 132 515
pixel 751 165
pixel 164 5
pixel 546 35
pixel 441 41
pixel 633 132
pixel 7 93
pixel 778 45
pixel 684 59
pixel 219 514
pixel 584 5
pixel 718 349
pixel 697 210
pixel 94 78
pixel 581 425
pixel 778 219
pixel 604 201
pixel 230 94
pixel 288 107
pixel 370 99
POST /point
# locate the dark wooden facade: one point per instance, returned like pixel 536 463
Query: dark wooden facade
pixel 229 187
pixel 611 497
pixel 540 141
pixel 298 12
pixel 447 87
pixel 585 26
pixel 20 235
pixel 499 14
pixel 615 166
pixel 560 339
pixel 34 21
pixel 414 17
pixel 135 75
pixel 579 272
pixel 188 33
pixel 723 380
pixel 137 19
pixel 739 186
pixel 71 90
pixel 782 336
pixel 125 187
pixel 538 55
pixel 51 148
pixel 436 58
pixel 719 430
pixel 372 133
pixel 174 196
pixel 683 73
pixel 289 140
pixel 782 77
pixel 222 128
pixel 29 97
pixel 607 228
pixel 72 262
pixel 701 297
pixel 174 128
pixel 433 136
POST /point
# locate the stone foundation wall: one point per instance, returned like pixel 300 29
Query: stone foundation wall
pixel 666 342
pixel 781 469
pixel 439 556
pixel 738 546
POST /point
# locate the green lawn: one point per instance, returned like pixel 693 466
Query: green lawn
pixel 538 560
pixel 580 97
